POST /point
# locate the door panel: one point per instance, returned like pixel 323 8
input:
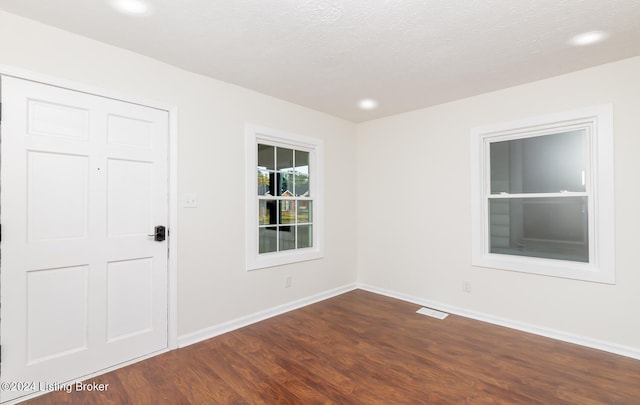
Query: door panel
pixel 53 294
pixel 51 119
pixel 57 196
pixel 127 131
pixel 84 181
pixel 129 298
pixel 129 191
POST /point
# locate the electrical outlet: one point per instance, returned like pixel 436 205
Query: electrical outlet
pixel 466 286
pixel 287 282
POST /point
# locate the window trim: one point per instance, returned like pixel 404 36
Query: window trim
pixel 601 265
pixel 254 135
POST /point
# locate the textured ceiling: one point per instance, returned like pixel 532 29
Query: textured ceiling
pixel 328 54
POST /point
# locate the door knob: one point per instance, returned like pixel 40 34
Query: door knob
pixel 159 234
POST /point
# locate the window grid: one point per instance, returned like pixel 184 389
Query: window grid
pixel 285 205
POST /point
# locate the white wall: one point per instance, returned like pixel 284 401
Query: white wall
pixel 414 208
pixel 413 234
pixel 213 285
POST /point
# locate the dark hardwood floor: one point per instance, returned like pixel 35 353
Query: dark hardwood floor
pixel 363 348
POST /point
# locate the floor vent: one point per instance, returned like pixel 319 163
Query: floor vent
pixel 432 313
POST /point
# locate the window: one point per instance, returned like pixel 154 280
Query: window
pixel 542 195
pixel 284 193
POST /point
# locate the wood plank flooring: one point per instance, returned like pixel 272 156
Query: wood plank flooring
pixel 363 348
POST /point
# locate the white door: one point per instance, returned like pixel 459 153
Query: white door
pixel 84 181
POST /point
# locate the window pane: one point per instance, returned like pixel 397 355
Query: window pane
pixel 265 182
pixel 287 211
pixel 540 164
pixel 302 174
pixel 302 185
pixel 287 237
pixel 268 211
pixel 285 158
pixel 552 228
pixel 285 184
pixel 305 236
pixel 267 239
pixel 304 212
pixel 266 157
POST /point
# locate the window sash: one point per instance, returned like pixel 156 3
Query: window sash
pixel 547 228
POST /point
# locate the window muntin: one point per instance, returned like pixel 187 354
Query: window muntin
pixel 542 195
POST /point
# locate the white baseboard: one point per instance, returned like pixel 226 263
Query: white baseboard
pixel 213 331
pixel 632 352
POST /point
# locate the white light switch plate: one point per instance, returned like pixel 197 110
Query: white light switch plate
pixel 189 200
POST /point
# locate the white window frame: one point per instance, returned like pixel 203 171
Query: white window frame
pixel 257 134
pixel 598 121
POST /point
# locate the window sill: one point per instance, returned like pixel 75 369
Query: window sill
pixel 282 258
pixel 547 267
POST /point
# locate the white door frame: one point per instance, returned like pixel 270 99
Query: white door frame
pixel 172 332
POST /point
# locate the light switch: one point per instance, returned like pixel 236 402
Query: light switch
pixel 189 200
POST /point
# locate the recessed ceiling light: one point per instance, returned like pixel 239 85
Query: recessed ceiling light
pixel 588 38
pixel 131 7
pixel 367 104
